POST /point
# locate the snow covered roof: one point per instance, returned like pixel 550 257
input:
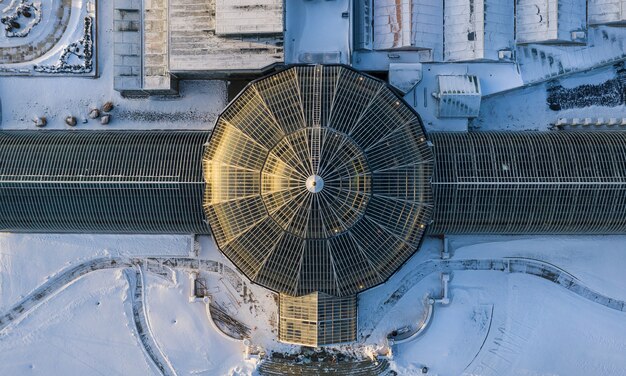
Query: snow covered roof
pixel 408 24
pixel 553 21
pixel 477 30
pixel 607 12
pixel 221 36
pixel 404 76
pixel 318 32
pixel 241 17
pixel 317 179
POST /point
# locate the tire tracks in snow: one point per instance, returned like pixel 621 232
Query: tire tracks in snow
pixel 142 325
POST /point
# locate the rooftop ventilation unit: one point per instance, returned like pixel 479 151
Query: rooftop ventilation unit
pixel 459 96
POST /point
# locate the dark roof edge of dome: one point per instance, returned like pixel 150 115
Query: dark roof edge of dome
pixel 282 68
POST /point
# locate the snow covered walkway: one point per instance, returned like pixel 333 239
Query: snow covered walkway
pixel 151 348
pixel 532 267
pixel 57 283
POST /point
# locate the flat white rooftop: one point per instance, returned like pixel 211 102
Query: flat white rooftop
pixel 224 35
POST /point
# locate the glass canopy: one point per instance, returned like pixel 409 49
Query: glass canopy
pixel 318 180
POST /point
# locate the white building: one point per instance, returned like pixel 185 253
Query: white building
pixel 607 12
pixel 478 29
pixel 248 17
pixel 408 24
pixel 158 41
pixel 551 21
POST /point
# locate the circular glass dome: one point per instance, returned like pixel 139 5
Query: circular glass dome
pixel 315 170
pixel 318 179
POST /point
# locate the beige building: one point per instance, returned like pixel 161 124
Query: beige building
pixel 158 42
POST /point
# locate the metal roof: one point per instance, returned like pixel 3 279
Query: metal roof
pixel 102 181
pixel 529 182
pixel 317 179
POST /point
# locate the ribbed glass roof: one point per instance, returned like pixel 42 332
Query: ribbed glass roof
pixel 318 179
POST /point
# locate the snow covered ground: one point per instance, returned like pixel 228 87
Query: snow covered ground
pixel 186 337
pixel 508 323
pixel 84 330
pixel 27 260
pixel 496 324
pixel 93 314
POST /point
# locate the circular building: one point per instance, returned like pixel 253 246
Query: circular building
pixel 318 180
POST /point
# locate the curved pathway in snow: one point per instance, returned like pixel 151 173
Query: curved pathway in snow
pixel 152 349
pixel 66 277
pixel 56 284
pixel 415 331
pixel 60 281
pixel 532 267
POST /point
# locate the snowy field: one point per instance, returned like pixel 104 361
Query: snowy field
pixel 87 327
pixel 507 323
pixel 497 323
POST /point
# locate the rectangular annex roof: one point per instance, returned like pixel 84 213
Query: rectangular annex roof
pixel 607 12
pixel 406 24
pixel 248 17
pixel 478 30
pixel 224 35
pixel 317 319
pixel 318 32
pixel 551 21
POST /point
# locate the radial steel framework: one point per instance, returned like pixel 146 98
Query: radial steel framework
pixel 529 182
pixel 318 180
pixel 103 182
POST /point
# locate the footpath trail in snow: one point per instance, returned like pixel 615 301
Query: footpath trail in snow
pixel 142 326
pixel 56 284
pixel 63 279
pixel 134 274
pixel 532 267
